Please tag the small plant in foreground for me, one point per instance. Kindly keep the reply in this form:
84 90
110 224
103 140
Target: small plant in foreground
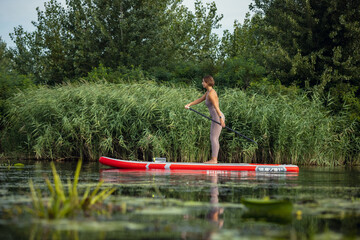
10 165
61 204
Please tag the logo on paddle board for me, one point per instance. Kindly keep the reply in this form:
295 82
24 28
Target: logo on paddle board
270 169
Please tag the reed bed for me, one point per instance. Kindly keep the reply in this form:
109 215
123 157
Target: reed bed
289 129
145 120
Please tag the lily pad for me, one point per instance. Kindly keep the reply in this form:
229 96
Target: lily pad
163 211
278 210
19 165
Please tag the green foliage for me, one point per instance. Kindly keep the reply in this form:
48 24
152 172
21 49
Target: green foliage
314 44
290 126
10 80
71 41
140 121
284 47
269 88
62 203
187 72
239 72
123 120
310 44
120 75
245 41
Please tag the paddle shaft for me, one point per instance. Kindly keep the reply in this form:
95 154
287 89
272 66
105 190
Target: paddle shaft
225 126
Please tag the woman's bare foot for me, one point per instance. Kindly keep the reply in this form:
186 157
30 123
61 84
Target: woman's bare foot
212 161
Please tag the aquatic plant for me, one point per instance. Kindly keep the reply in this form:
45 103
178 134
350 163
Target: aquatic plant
143 120
277 210
9 165
65 204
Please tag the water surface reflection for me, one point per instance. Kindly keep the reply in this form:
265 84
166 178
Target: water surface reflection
190 204
212 188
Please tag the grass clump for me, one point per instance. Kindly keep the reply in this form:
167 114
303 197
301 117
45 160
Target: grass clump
62 203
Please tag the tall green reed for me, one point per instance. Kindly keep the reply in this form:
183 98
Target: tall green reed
289 129
143 120
126 120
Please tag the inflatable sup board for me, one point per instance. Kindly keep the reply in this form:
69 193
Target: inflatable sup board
127 164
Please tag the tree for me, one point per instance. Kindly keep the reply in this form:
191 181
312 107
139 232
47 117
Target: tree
44 53
10 80
319 42
240 72
69 42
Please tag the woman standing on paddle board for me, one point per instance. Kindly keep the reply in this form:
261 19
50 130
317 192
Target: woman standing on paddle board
212 102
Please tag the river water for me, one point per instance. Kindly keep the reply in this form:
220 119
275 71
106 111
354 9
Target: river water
162 204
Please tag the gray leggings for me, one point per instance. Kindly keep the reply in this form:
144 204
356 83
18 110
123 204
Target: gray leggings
215 131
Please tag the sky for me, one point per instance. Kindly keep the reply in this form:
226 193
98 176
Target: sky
22 12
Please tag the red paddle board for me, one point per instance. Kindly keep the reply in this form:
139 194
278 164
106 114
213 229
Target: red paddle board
126 164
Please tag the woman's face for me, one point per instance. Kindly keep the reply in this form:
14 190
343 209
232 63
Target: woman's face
204 84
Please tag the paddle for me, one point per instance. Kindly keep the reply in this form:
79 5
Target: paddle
225 126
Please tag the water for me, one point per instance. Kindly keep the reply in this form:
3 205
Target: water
165 204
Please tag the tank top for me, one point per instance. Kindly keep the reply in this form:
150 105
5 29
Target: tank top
211 108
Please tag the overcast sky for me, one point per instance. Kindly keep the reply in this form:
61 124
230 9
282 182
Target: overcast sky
21 12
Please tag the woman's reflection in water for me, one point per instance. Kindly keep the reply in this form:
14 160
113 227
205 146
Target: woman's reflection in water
215 213
214 216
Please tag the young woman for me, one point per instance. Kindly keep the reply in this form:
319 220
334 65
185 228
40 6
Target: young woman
212 102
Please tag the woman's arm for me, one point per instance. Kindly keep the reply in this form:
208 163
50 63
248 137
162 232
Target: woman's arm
197 101
215 101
